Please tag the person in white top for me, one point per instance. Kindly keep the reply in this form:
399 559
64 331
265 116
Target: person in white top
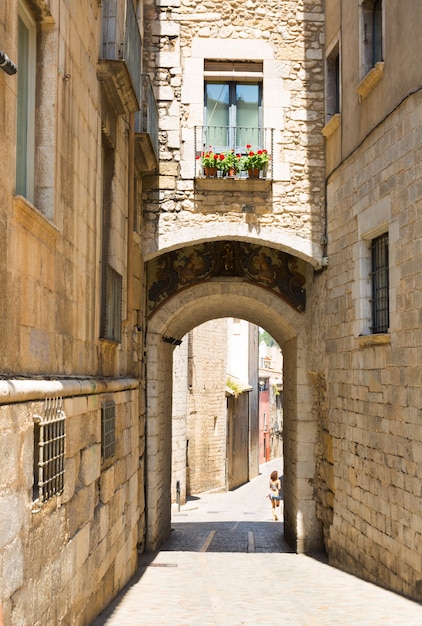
275 492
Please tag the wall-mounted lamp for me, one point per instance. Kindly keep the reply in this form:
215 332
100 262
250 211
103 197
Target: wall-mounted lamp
7 65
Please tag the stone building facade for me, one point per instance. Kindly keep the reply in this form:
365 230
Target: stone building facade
110 256
72 416
215 425
273 229
370 396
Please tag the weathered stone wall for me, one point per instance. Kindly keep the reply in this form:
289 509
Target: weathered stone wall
64 561
374 384
179 418
51 268
287 37
207 412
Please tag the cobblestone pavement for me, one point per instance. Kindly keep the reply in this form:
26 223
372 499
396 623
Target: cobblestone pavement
226 564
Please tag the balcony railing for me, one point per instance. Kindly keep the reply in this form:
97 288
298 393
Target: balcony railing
146 128
240 139
119 69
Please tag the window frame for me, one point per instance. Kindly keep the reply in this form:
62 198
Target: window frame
233 74
380 285
49 451
372 24
111 307
26 108
333 82
108 429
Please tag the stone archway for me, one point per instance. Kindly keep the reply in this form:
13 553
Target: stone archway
231 297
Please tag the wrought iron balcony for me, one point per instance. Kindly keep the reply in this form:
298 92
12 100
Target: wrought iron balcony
119 69
146 129
240 140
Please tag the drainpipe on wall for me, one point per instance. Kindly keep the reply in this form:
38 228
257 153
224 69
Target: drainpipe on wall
130 218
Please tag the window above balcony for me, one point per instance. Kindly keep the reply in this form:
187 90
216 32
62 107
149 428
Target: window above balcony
233 128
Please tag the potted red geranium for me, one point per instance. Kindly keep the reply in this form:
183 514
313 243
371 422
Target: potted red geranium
254 161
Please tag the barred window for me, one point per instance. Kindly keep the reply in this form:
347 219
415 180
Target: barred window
380 285
112 305
108 428
49 450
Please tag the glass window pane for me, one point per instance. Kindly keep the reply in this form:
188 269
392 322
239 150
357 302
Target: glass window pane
247 115
22 112
377 31
217 115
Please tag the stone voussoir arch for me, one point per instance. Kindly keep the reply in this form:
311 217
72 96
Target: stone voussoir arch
230 297
190 232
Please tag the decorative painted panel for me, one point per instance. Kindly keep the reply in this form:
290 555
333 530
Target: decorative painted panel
273 269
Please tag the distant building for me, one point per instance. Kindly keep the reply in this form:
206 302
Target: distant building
215 404
270 385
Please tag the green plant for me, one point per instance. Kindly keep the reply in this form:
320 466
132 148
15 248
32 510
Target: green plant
208 158
254 159
223 161
231 160
235 387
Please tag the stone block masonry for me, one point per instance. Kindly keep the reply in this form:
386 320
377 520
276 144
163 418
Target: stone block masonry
374 386
82 543
286 37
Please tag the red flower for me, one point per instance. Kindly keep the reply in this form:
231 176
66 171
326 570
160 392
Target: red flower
248 145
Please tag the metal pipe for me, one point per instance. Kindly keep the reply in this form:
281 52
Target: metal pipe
6 64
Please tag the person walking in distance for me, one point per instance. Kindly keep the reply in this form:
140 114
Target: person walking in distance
275 492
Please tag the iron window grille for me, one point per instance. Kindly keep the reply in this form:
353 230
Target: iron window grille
49 450
108 429
380 284
111 323
237 138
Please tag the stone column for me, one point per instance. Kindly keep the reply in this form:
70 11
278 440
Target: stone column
301 527
158 440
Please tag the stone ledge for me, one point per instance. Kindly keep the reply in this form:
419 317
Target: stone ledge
373 340
23 390
332 125
33 220
371 79
233 184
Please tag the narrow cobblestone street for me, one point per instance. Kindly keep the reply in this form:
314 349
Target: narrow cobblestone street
226 564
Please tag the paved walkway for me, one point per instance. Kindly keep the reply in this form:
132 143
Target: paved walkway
226 564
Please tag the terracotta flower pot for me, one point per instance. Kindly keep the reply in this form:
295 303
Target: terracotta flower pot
253 173
210 172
